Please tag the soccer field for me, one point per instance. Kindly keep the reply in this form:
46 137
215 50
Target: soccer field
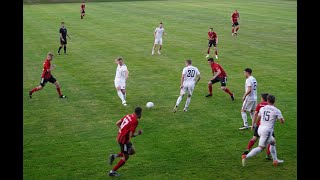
72 138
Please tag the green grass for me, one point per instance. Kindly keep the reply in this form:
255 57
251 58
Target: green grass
72 138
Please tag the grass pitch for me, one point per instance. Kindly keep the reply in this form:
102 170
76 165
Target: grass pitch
72 138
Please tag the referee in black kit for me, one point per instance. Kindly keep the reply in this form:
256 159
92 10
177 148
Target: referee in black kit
63 38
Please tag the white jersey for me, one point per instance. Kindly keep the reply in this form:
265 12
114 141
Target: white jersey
159 32
251 81
189 73
269 115
121 73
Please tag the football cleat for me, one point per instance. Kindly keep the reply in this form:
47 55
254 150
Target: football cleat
113 173
208 95
245 152
232 97
111 159
159 52
268 157
244 157
207 56
216 56
63 96
185 109
276 162
244 127
174 109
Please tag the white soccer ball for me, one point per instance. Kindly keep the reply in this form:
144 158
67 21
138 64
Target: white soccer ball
149 104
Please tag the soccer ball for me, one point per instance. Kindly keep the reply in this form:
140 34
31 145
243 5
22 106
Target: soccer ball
149 104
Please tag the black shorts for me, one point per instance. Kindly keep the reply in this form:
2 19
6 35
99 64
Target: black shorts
255 133
44 81
235 24
63 42
223 81
212 42
82 11
125 148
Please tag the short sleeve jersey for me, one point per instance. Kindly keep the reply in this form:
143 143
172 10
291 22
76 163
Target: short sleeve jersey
190 73
159 32
129 124
46 66
251 81
121 73
63 31
215 67
269 115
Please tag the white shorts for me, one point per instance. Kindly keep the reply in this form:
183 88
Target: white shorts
188 87
158 41
265 134
249 105
122 84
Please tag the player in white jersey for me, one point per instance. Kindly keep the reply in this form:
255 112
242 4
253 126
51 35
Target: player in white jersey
267 115
190 76
249 98
158 32
122 73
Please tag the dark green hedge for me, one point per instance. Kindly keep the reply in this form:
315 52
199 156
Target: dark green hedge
73 1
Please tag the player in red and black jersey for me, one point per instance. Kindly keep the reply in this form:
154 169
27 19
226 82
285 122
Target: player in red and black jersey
219 75
47 76
213 41
235 22
127 127
82 7
255 126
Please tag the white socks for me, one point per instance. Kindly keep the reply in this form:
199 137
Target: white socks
187 102
244 118
179 100
121 96
273 152
254 151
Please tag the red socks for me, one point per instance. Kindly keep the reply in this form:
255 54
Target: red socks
58 89
250 144
120 163
227 91
210 89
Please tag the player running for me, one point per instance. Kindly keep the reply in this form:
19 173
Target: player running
235 22
213 41
158 32
82 8
47 77
189 78
267 116
255 126
127 127
219 75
